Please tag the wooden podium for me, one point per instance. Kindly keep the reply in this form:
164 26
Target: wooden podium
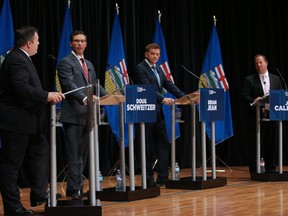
277 176
193 182
88 207
131 193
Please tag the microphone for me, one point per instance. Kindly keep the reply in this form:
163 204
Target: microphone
190 72
52 57
281 78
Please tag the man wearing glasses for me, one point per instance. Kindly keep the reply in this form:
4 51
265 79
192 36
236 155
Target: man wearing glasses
74 72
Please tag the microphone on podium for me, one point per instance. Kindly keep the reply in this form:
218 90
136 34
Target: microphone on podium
190 72
52 57
281 78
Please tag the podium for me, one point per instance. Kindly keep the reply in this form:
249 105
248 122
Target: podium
276 99
130 193
193 182
86 207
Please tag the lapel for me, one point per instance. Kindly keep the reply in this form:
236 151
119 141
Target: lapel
78 66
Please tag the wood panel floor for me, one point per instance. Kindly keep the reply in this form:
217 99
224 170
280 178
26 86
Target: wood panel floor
241 196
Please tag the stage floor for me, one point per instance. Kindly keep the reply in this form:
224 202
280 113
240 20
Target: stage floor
241 196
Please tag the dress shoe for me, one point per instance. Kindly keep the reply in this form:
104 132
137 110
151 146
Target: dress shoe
70 193
150 183
40 200
162 181
77 195
17 212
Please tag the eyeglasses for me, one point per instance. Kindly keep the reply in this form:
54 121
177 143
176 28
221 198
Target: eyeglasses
79 41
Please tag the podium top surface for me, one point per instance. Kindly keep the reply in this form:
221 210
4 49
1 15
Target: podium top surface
260 101
111 99
192 98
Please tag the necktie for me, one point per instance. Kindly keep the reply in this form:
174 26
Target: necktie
85 69
156 74
266 87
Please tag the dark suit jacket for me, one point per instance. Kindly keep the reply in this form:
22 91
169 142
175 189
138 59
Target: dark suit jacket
145 75
71 76
252 88
22 99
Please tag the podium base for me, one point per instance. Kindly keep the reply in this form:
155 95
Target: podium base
269 176
73 208
188 183
109 194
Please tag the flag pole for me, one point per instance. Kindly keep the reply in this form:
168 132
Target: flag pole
214 20
117 8
159 16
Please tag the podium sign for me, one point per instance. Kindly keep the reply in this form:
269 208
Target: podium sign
140 103
278 105
211 104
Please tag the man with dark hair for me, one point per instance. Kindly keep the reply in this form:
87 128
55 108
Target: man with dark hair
75 71
22 113
148 73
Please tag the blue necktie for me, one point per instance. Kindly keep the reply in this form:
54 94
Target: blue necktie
156 74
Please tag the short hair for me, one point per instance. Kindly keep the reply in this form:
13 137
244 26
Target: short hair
152 46
77 32
260 55
24 34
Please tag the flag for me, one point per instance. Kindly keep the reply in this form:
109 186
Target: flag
64 44
213 76
6 29
163 62
116 77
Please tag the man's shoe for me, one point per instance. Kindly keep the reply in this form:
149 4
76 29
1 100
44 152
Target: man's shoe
70 193
39 201
150 183
162 181
17 212
77 195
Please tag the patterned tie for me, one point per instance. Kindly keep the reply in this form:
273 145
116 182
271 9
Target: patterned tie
156 74
85 69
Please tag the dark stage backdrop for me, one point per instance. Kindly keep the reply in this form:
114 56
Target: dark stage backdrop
245 28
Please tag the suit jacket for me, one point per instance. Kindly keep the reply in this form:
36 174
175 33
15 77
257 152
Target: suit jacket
22 99
71 76
252 88
145 75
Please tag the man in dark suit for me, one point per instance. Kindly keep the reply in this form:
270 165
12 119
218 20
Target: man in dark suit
74 72
147 72
255 86
22 113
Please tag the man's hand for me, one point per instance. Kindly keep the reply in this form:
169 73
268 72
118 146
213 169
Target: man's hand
55 97
168 101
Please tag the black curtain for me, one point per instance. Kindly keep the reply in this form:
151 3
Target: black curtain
244 27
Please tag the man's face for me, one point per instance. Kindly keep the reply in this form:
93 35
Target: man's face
152 56
33 45
261 65
79 44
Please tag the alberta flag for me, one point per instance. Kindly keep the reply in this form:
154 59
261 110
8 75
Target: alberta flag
64 44
163 62
116 77
6 30
213 76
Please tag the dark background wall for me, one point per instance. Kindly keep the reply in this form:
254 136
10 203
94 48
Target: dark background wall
245 28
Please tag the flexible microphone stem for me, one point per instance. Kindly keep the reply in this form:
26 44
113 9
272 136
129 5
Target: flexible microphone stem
281 78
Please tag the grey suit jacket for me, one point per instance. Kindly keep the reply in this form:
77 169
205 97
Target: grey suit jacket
71 76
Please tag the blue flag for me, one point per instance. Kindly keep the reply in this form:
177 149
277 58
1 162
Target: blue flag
6 29
116 77
213 76
163 62
64 44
